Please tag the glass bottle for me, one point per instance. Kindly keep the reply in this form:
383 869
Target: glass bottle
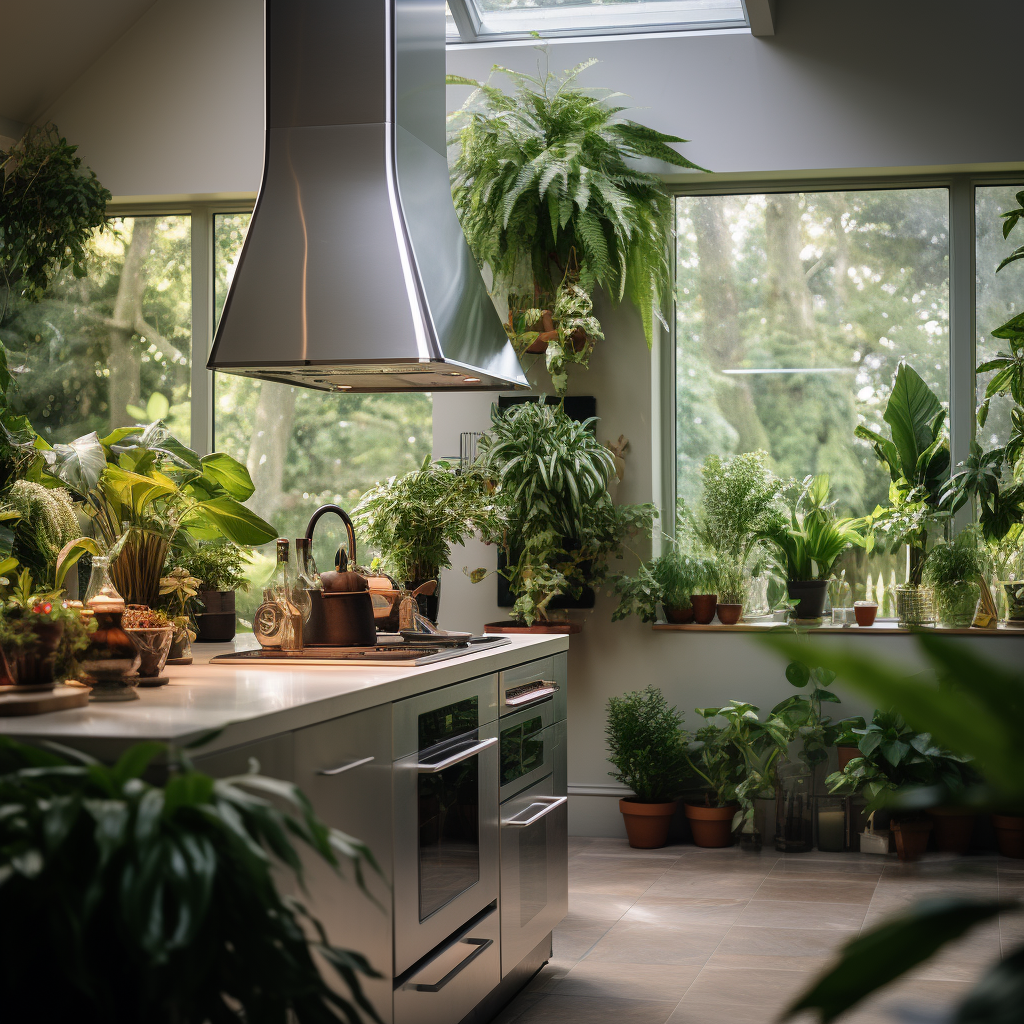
794 819
111 655
283 589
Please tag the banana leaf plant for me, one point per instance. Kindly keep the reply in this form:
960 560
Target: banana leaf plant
142 488
137 901
975 708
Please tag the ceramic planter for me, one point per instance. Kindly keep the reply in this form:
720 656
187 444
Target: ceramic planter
711 826
1009 834
181 648
704 607
678 616
153 645
811 596
956 603
647 824
953 828
915 606
865 612
730 614
32 666
911 838
215 624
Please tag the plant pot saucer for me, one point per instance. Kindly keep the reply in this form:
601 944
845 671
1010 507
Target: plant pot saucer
153 680
179 661
550 626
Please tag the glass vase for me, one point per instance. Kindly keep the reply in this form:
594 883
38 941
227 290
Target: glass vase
111 656
1013 591
956 603
794 809
915 606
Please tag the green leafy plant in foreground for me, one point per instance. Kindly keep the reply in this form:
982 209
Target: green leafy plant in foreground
137 902
974 708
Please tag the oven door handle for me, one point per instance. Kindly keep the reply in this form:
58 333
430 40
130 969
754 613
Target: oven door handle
346 767
549 803
432 769
480 944
526 699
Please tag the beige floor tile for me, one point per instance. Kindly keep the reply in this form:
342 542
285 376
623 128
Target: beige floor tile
811 890
598 906
918 996
798 943
559 1009
573 940
680 910
855 871
615 879
659 982
1011 932
745 961
697 884
744 994
639 942
844 917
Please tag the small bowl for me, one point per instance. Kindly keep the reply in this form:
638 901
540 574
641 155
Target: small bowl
865 612
153 644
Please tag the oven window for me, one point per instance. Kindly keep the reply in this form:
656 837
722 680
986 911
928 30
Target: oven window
451 720
522 750
449 835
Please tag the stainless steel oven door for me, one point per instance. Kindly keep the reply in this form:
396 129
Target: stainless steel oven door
527 685
534 870
446 840
530 744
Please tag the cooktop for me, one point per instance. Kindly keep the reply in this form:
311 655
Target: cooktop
391 649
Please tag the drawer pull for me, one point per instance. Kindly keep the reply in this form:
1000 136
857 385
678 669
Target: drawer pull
480 944
428 768
346 767
547 805
523 696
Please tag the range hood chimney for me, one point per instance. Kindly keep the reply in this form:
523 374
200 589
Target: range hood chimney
355 274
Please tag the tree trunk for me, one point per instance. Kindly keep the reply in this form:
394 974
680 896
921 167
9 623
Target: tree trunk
723 336
268 449
789 298
125 387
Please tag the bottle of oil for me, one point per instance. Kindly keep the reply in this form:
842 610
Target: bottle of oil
282 589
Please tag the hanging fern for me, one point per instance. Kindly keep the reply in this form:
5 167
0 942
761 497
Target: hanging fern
544 171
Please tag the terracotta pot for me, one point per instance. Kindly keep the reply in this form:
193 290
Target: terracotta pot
647 824
678 616
704 607
865 612
911 838
215 624
953 828
547 626
33 665
811 597
846 755
729 614
711 826
1009 834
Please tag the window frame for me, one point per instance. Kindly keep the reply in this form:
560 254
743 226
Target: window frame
962 318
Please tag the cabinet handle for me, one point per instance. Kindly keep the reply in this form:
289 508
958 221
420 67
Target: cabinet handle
530 696
347 766
549 803
472 751
481 945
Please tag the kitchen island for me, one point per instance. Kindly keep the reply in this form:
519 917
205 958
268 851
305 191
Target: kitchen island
452 773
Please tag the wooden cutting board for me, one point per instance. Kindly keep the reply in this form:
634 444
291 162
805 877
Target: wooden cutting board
38 703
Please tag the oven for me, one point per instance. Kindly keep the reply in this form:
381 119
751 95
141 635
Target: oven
445 815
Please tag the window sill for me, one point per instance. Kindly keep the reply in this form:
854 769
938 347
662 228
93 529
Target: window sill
879 629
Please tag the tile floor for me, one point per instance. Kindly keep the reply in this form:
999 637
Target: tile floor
690 936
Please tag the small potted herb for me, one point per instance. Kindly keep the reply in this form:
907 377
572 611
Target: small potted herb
645 744
669 581
956 572
731 591
219 568
179 589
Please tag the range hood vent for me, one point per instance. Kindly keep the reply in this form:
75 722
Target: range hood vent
355 274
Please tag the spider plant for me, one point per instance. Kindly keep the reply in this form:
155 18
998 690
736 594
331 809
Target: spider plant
544 171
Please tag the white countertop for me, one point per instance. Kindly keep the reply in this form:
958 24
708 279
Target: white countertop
252 702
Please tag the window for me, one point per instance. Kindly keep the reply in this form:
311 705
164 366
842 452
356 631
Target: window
469 20
792 312
115 347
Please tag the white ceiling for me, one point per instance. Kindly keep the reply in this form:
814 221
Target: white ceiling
49 43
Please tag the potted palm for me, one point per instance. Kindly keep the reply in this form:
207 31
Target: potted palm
557 525
551 202
667 582
956 571
645 744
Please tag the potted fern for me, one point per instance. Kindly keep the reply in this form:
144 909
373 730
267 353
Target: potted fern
550 203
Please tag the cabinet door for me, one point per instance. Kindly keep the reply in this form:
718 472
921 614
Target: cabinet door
344 767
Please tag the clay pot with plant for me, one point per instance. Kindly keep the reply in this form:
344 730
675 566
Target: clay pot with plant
219 567
731 591
667 582
645 744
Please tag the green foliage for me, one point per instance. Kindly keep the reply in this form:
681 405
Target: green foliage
27 606
143 902
543 173
645 743
803 715
217 566
559 525
669 580
413 520
43 522
49 207
1010 219
964 558
730 581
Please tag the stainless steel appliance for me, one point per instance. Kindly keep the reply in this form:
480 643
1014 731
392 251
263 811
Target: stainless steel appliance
533 811
392 650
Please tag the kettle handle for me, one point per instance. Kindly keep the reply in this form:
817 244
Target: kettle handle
339 511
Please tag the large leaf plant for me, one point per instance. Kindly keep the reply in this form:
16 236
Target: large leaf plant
550 199
130 901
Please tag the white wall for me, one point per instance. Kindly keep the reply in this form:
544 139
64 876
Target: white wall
176 108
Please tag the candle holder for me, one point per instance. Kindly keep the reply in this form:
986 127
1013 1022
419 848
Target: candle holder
830 819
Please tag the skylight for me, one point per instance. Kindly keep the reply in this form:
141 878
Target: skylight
473 20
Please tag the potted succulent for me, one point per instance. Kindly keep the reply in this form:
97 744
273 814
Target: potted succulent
219 568
956 571
645 744
669 582
415 519
545 184
917 459
38 635
152 632
809 545
167 902
556 523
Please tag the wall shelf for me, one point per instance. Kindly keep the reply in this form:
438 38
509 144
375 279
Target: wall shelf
879 629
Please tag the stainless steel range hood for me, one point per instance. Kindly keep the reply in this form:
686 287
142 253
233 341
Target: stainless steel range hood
355 274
